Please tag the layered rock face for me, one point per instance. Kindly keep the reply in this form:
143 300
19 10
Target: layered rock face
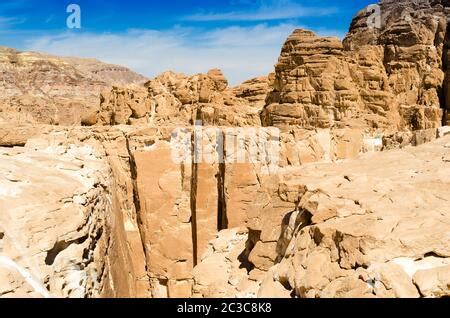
313 86
389 73
302 183
45 89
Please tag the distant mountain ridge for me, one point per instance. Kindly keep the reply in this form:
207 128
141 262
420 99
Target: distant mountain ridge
42 88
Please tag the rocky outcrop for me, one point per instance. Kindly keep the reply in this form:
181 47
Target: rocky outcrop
158 222
313 86
177 99
388 74
161 205
304 183
79 239
59 223
375 227
346 229
45 89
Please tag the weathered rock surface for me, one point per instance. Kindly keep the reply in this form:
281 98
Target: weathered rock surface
389 73
164 191
59 223
377 226
222 272
303 183
45 89
109 241
177 99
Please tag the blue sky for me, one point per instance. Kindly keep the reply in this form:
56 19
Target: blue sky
243 37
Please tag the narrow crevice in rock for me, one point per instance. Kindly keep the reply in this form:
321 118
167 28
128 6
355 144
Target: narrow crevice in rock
133 170
444 94
194 202
222 218
433 254
244 256
136 200
418 289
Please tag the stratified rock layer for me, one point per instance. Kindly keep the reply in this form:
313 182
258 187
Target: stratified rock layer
45 89
111 211
389 73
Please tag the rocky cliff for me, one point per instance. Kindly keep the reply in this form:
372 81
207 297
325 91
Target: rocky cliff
389 72
326 178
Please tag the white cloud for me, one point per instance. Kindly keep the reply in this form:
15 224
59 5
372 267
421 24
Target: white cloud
241 52
7 22
265 11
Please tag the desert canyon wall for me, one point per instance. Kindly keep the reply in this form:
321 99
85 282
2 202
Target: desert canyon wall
355 203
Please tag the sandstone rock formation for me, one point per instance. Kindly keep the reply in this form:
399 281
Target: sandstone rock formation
177 99
59 225
386 76
45 89
221 273
377 226
326 178
87 178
